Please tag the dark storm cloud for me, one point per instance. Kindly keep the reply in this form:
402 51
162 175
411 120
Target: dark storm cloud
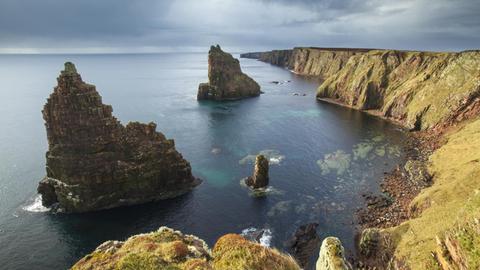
155 25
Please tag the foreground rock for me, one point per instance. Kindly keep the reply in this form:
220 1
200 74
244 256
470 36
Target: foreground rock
332 256
226 81
304 243
94 162
260 178
169 249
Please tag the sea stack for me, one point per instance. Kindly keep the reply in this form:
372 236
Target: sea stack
259 179
94 162
226 81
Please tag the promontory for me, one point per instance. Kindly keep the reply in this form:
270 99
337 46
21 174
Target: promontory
226 81
94 162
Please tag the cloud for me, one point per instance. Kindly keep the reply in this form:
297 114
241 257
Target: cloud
160 25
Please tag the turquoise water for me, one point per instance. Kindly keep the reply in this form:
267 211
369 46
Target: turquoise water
323 157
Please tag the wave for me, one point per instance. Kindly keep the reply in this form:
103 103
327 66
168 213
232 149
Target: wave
261 236
36 206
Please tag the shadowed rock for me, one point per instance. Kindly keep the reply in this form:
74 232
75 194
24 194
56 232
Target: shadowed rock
226 81
94 162
260 173
304 243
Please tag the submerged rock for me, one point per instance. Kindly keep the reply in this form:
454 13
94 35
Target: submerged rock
332 256
226 81
304 243
94 162
259 179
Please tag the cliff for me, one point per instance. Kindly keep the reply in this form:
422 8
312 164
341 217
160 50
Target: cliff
226 81
308 61
421 90
169 249
94 162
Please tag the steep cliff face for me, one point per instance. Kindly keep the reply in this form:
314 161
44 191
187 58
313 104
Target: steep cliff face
308 61
94 162
419 89
169 249
226 81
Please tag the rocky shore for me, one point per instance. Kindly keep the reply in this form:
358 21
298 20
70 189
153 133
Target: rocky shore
94 162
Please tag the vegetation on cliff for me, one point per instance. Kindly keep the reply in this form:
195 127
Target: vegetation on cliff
419 89
169 249
451 206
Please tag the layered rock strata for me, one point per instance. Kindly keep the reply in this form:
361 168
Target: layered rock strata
260 177
226 81
94 162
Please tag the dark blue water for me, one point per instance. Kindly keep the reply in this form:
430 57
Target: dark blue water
323 157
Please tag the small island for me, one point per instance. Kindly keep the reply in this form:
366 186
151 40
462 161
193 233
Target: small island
226 81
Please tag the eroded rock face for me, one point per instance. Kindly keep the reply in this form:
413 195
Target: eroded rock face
226 81
260 174
304 243
332 256
94 162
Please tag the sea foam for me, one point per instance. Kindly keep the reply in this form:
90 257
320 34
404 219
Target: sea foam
36 205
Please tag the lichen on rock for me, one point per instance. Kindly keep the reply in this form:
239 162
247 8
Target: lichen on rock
226 81
332 256
94 162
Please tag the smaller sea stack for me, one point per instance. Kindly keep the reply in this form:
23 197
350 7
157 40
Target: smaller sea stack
94 162
259 179
226 81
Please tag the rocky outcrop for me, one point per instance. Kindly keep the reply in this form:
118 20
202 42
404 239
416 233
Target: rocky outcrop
420 90
260 178
226 81
94 162
304 243
332 256
169 249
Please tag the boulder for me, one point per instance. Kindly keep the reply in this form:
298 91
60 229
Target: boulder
226 81
94 162
260 173
332 256
304 244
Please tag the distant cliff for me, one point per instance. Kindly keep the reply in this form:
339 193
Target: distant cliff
420 90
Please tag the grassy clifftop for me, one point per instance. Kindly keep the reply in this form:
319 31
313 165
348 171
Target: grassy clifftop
169 249
419 89
451 206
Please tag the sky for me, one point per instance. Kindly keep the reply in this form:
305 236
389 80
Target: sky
145 26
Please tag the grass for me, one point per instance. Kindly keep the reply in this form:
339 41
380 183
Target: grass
454 198
170 250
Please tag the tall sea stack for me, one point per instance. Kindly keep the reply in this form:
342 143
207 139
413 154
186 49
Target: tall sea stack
94 162
226 81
